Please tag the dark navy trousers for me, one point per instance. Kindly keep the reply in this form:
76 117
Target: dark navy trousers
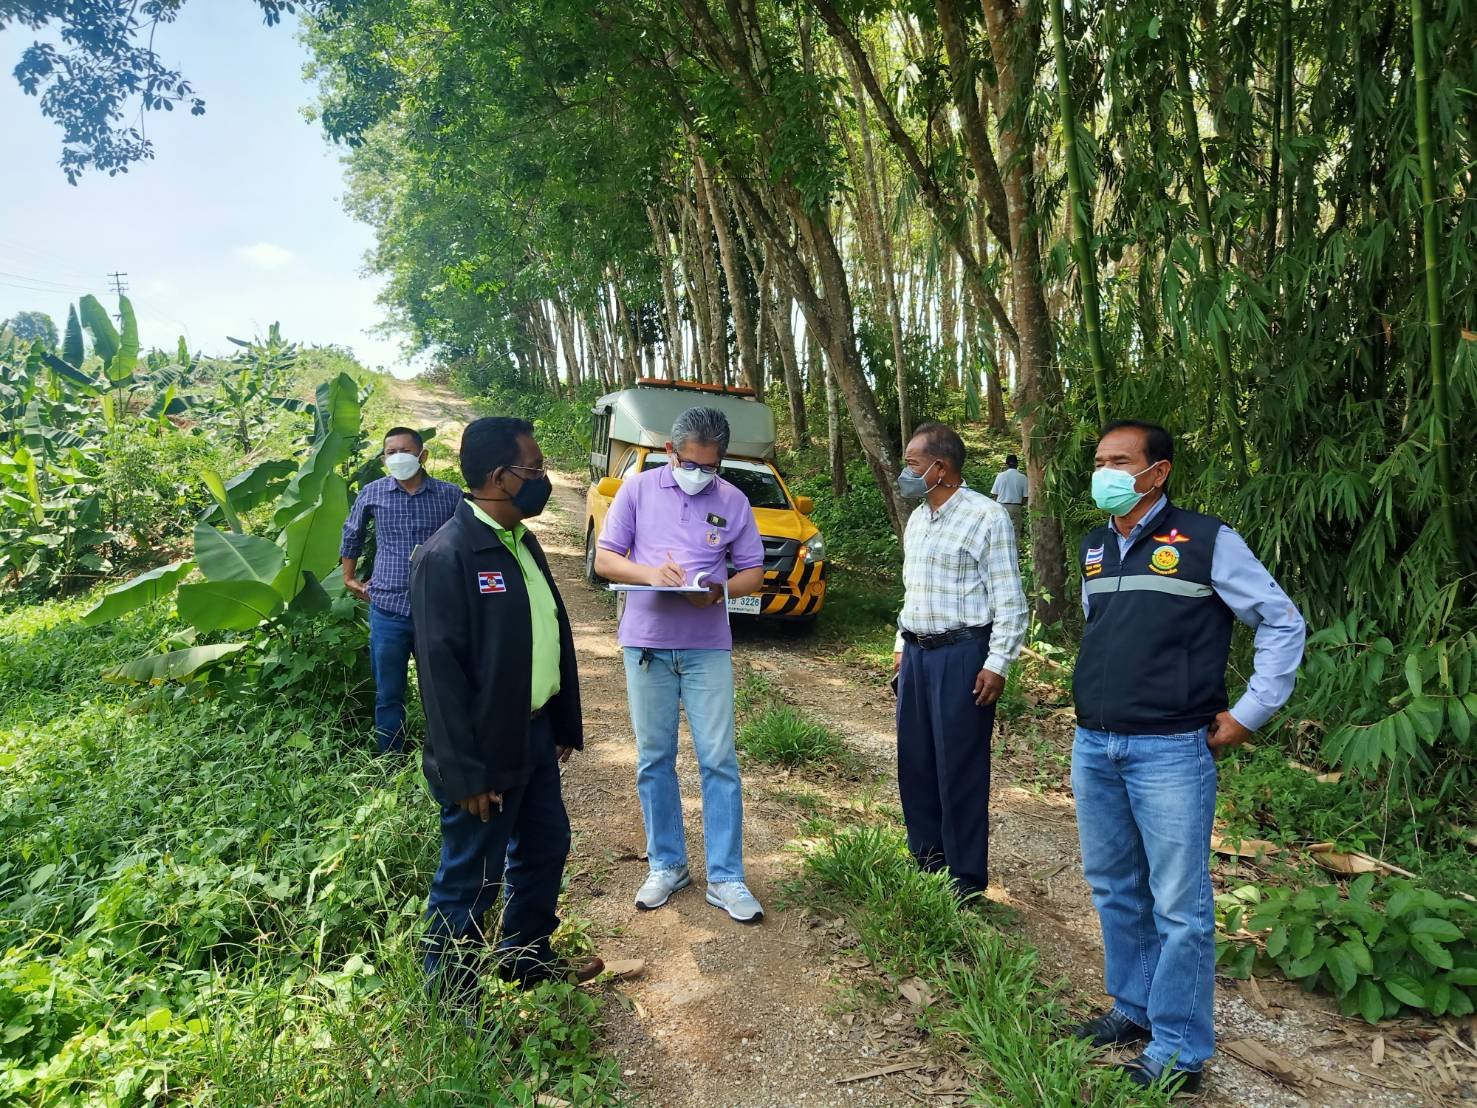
517 856
943 760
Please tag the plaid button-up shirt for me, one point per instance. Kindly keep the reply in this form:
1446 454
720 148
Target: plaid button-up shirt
959 570
402 521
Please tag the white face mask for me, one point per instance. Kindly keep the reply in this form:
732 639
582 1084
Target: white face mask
692 481
402 467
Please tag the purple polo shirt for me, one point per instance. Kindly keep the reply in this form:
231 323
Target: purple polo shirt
651 517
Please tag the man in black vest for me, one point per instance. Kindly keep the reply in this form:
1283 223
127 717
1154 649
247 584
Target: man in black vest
1162 588
495 658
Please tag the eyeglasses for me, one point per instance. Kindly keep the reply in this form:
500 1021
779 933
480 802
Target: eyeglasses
525 471
682 463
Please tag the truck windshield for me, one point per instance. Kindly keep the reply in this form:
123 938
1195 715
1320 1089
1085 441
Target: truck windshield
755 482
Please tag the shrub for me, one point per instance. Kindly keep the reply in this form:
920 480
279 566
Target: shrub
1416 949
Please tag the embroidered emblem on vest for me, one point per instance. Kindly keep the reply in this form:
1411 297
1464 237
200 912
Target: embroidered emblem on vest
1173 536
1092 565
490 582
1165 560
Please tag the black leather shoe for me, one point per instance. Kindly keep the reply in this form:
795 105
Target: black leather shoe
1147 1073
530 974
1112 1028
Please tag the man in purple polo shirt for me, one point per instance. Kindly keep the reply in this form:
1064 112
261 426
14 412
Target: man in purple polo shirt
668 525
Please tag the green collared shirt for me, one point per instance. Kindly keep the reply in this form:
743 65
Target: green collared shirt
542 610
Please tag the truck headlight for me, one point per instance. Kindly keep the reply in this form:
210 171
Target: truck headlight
815 548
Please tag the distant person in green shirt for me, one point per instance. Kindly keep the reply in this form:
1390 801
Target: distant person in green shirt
496 664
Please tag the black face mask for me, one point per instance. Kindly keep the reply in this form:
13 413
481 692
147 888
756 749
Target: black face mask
532 496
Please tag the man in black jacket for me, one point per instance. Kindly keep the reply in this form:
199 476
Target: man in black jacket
496 664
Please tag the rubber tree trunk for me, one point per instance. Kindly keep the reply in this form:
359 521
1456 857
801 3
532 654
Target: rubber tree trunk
1081 216
780 308
671 320
1013 47
883 229
733 276
718 323
835 444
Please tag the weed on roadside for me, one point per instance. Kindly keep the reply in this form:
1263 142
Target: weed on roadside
785 736
1004 1019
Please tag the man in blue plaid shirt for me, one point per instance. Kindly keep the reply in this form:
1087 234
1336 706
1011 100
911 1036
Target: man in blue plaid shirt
407 508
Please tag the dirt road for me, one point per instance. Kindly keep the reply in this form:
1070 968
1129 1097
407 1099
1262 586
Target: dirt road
728 1015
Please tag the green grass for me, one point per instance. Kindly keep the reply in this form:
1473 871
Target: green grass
218 901
996 1009
785 736
859 621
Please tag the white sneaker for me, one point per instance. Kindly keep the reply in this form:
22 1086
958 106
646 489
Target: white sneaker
659 886
735 898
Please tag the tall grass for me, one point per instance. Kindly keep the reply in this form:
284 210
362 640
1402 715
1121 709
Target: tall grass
1004 1018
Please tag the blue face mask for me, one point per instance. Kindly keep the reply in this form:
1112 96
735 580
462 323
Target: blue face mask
1113 491
914 486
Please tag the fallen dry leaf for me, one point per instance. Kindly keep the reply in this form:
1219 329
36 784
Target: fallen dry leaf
1332 778
1258 1001
1352 863
916 992
1273 1064
883 1071
1243 848
625 967
1377 1050
1048 872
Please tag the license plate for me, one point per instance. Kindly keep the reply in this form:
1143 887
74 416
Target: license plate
745 605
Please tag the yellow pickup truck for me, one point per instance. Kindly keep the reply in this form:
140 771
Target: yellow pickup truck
629 433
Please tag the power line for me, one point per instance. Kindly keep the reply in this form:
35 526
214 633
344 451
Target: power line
57 286
30 255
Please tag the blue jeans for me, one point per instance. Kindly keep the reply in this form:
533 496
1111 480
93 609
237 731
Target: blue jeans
391 641
518 855
1144 809
701 681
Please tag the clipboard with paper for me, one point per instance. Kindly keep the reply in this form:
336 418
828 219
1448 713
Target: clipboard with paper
747 605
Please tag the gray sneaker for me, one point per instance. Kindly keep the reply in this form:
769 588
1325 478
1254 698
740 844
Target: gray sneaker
735 898
659 886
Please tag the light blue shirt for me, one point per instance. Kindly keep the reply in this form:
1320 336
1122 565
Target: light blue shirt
1245 586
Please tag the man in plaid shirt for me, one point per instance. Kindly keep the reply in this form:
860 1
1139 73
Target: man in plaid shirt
407 508
962 624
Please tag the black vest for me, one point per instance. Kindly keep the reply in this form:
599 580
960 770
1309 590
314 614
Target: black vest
1153 657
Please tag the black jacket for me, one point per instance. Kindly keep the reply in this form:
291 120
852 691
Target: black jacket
474 659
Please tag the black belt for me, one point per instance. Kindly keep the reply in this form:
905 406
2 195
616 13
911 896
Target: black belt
947 638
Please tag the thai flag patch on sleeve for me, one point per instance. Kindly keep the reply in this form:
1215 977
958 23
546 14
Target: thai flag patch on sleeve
490 582
1094 555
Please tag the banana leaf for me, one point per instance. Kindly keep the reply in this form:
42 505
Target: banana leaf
174 665
226 556
227 605
142 591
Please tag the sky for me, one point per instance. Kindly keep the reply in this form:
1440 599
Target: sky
237 221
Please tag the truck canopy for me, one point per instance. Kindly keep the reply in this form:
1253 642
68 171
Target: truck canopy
644 416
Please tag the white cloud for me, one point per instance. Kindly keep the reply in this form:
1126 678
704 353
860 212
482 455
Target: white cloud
265 255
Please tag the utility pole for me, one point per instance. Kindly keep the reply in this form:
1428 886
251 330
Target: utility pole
119 287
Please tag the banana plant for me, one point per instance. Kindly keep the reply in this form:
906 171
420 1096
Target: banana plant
152 383
249 580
